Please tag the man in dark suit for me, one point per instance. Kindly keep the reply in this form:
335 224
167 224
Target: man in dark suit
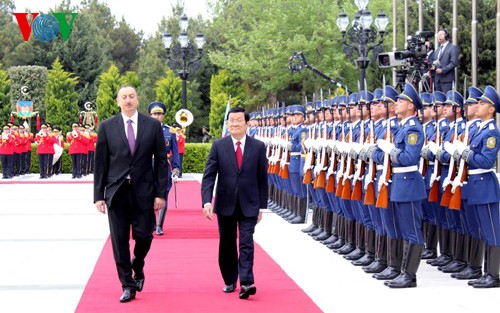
445 60
240 163
129 186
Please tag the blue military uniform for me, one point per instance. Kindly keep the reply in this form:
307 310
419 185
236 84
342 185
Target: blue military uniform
482 190
170 137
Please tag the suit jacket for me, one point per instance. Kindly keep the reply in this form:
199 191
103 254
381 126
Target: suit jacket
113 161
448 61
249 183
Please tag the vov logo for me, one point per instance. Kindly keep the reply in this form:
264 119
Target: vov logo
45 26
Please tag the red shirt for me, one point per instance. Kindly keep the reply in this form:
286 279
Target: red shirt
180 143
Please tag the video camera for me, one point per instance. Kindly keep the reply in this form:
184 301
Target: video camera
412 57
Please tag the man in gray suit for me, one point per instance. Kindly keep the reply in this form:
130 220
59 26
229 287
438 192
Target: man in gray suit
445 61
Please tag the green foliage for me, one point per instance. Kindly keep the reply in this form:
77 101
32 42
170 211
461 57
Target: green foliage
126 45
5 104
223 86
169 92
131 78
109 82
195 155
35 78
152 65
62 99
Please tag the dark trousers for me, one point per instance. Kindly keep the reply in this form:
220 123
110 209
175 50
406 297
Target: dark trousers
229 263
50 168
90 162
76 165
57 168
17 164
124 213
6 166
43 161
83 164
181 157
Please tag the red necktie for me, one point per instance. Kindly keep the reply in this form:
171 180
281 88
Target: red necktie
239 154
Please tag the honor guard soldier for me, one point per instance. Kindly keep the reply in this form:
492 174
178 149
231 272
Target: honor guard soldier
157 111
474 254
449 220
407 184
45 147
482 190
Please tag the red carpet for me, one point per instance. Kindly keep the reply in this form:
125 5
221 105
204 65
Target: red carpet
182 274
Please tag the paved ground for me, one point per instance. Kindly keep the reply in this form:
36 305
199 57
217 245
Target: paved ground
51 236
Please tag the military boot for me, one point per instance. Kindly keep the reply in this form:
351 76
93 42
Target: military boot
411 261
473 269
334 230
431 239
341 233
369 249
444 249
349 245
301 210
314 224
327 226
319 230
461 255
491 278
358 253
380 262
394 257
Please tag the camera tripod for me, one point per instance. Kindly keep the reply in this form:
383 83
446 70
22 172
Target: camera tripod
413 76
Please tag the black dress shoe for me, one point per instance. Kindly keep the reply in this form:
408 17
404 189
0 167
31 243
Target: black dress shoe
159 230
486 281
247 290
470 272
429 254
309 229
404 280
139 281
229 288
128 295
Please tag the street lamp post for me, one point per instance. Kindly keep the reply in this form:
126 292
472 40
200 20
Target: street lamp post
183 56
362 36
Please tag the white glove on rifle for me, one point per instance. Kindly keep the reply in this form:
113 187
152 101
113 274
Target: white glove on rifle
460 146
449 147
385 146
433 147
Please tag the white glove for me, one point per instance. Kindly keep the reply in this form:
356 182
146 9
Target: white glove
459 146
75 133
174 178
433 147
385 146
449 147
356 147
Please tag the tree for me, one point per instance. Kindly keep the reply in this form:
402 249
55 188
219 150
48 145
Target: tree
223 86
5 104
131 78
126 44
169 92
109 82
62 99
151 68
34 78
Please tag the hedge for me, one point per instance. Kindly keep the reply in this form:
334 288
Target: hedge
195 156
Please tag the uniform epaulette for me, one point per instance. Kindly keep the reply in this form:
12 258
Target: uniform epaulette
412 123
172 130
491 127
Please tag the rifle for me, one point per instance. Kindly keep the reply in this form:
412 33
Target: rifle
348 174
285 160
452 169
385 178
330 185
458 182
372 173
436 173
309 162
340 172
357 192
322 161
422 166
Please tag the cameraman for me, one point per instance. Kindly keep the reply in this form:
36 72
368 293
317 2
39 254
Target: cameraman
429 72
445 60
